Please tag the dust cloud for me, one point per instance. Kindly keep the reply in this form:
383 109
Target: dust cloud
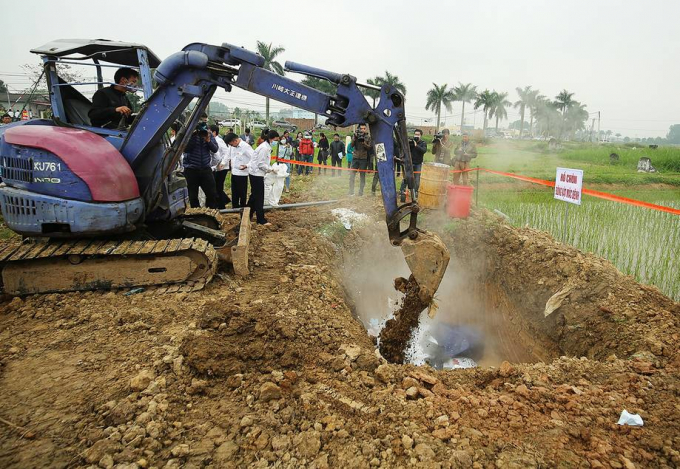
463 324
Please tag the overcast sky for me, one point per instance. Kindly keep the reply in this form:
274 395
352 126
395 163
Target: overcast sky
618 57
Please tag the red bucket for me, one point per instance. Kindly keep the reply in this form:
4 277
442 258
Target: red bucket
459 199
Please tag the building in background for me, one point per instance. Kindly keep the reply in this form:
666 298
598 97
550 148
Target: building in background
294 113
38 106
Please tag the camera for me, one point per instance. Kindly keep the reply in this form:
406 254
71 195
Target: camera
202 128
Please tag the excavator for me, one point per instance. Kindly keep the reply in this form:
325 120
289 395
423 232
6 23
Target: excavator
105 208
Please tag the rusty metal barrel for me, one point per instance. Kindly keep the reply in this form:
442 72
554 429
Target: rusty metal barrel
433 179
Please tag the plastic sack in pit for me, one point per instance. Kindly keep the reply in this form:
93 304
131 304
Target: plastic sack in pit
273 184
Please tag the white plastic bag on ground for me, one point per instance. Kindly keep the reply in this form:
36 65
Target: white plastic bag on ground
634 420
273 184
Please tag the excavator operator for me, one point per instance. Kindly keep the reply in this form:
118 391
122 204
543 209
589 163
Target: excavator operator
111 108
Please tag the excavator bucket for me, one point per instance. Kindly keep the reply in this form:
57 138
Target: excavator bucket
427 257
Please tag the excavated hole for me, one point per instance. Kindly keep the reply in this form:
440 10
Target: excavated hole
475 319
515 295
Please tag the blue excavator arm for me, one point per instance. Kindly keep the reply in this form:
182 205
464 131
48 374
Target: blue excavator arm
199 69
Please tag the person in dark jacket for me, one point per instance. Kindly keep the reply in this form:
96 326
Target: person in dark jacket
464 153
246 137
322 156
197 170
418 148
337 150
110 105
361 142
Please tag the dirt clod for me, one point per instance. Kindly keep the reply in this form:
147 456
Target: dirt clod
398 331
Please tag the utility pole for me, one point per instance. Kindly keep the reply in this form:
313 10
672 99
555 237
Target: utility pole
598 125
592 126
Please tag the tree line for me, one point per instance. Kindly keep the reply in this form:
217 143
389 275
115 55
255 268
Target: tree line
561 117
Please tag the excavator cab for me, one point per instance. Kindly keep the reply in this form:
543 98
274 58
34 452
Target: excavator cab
70 106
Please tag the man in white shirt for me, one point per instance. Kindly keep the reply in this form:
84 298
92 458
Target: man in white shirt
220 166
240 155
257 168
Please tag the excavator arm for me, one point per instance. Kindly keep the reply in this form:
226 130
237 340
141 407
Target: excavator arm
199 69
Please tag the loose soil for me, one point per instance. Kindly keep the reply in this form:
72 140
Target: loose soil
275 371
397 333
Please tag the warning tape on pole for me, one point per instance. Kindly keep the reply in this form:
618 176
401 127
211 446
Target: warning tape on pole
590 192
542 182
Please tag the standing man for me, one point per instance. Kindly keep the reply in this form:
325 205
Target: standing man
362 151
246 137
442 145
241 154
337 153
110 105
322 155
220 166
418 148
197 170
464 153
257 168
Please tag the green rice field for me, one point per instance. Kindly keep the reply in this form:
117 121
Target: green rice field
640 242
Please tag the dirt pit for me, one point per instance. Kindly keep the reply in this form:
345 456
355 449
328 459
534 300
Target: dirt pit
276 371
475 322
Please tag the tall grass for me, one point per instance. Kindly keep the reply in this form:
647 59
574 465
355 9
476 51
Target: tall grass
640 242
664 159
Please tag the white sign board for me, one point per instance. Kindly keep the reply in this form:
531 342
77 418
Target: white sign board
568 185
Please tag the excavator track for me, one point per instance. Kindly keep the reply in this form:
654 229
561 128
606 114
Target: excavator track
178 265
206 216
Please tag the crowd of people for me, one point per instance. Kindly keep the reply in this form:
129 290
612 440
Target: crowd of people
208 159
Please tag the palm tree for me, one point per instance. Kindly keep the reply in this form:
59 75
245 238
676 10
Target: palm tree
436 98
388 79
485 100
269 53
375 94
547 117
500 103
575 119
534 100
564 100
393 81
524 100
465 94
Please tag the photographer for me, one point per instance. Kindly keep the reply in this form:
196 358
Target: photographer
361 142
418 148
442 146
464 153
197 170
